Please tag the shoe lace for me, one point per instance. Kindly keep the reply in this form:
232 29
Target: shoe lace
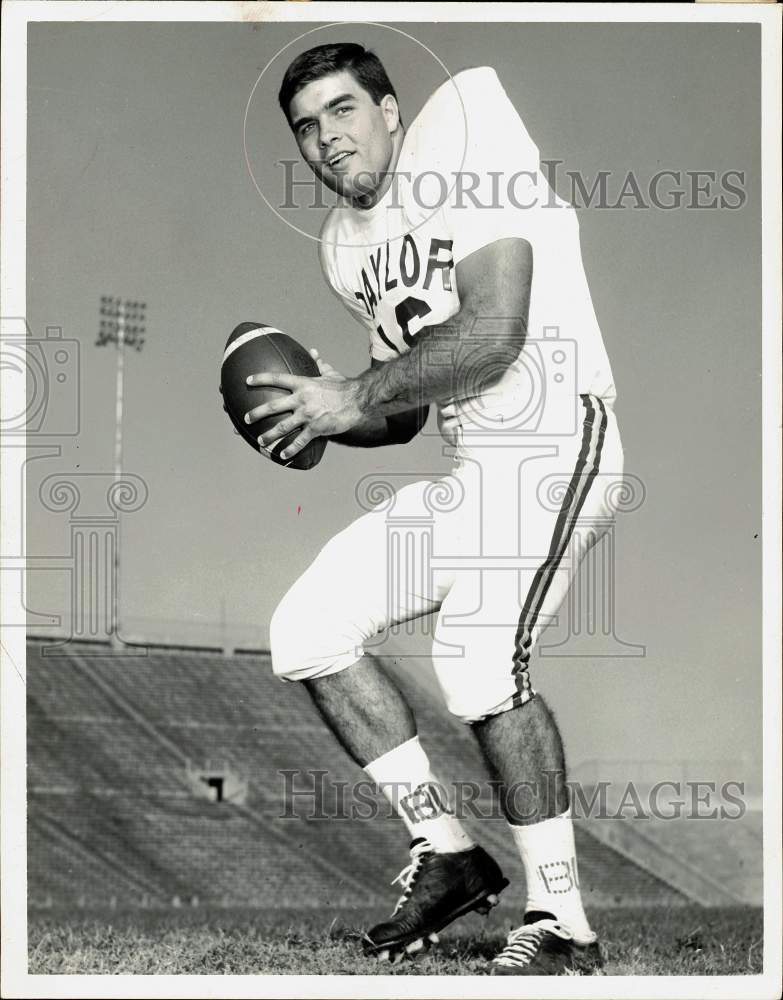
407 876
523 943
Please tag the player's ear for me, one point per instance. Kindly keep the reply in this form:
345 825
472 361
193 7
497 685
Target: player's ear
391 113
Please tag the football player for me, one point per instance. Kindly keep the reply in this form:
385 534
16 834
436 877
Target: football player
465 270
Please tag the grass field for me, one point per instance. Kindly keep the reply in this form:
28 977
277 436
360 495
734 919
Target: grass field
682 941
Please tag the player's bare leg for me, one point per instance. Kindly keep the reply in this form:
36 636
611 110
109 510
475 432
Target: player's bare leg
524 752
448 875
364 709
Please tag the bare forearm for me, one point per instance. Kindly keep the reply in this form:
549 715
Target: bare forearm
469 353
416 378
447 362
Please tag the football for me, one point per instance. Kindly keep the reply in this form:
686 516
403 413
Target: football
253 348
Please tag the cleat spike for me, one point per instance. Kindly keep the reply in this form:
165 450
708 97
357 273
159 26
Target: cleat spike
437 888
486 904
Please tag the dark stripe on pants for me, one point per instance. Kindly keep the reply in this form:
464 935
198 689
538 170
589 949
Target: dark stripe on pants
585 471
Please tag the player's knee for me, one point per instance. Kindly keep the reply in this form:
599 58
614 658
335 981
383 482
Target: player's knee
282 635
293 638
308 640
480 711
465 703
472 696
466 714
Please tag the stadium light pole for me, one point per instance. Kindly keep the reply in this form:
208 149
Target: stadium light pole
122 321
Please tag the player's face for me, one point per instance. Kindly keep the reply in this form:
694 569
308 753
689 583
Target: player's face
344 136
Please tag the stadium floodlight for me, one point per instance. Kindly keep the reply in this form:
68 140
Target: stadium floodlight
122 322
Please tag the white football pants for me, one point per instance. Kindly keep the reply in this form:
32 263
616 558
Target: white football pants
493 547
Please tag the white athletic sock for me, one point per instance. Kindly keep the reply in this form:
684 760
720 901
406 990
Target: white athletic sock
406 779
549 855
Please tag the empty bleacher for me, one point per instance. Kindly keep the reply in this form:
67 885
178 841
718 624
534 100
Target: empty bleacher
116 818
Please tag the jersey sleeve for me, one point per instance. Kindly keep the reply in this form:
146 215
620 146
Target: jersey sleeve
492 166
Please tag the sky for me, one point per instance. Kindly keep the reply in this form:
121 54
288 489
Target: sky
138 186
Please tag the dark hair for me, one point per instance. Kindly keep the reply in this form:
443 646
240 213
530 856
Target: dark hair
364 65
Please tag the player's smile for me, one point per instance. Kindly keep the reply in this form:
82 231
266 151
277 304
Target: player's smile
345 137
338 160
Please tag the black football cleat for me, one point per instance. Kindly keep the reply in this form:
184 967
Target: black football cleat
544 947
437 889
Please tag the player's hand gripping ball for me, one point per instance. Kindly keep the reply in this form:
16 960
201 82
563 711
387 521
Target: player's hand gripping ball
255 347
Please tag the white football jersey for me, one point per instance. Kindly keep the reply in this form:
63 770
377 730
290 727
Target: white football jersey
469 174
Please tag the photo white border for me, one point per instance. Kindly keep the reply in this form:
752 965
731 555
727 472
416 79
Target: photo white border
16 14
